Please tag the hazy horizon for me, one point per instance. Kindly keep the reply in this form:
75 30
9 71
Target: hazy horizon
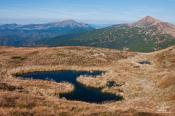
91 11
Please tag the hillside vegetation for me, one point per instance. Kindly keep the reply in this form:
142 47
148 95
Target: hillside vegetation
146 35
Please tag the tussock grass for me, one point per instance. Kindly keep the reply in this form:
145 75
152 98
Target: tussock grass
147 89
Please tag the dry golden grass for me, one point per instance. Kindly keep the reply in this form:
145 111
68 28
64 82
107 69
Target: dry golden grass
165 58
148 89
78 56
91 81
167 80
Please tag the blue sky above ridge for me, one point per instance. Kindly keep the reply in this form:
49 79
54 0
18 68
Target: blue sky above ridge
89 11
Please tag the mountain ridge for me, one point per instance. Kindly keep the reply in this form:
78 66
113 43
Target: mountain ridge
145 35
26 35
64 23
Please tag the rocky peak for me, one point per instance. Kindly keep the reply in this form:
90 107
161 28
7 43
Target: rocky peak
147 21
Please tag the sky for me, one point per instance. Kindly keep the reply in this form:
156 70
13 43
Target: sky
88 11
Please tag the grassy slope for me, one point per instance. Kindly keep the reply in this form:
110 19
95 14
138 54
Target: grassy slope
146 88
136 39
35 97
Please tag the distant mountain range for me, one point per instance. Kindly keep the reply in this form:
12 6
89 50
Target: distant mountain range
27 35
99 26
146 35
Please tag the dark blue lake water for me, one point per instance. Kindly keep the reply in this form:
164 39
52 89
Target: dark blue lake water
80 93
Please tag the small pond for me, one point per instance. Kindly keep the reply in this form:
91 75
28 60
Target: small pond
80 93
